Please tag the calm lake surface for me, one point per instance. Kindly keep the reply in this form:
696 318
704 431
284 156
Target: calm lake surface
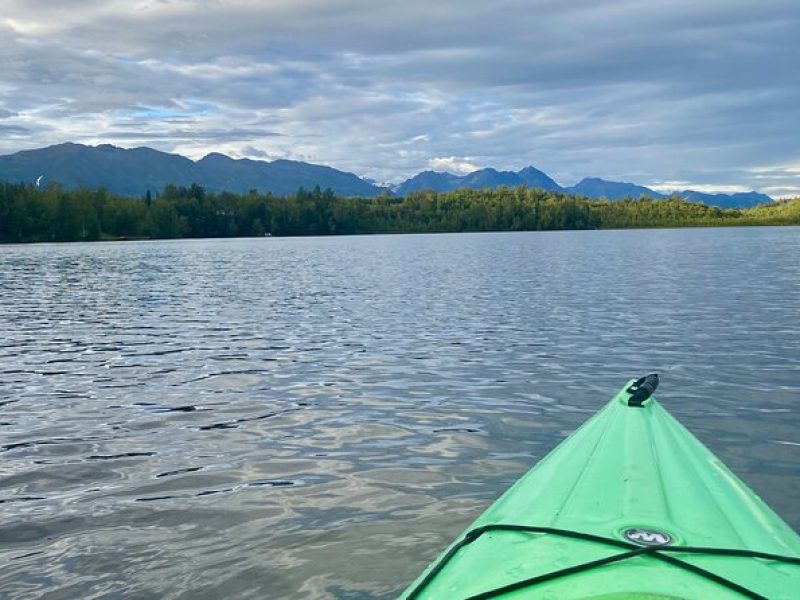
318 417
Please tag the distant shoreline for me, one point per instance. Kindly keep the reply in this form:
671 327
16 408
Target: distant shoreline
29 214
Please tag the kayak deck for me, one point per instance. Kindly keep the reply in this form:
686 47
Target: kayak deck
631 480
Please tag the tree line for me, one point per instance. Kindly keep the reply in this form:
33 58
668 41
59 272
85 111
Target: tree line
30 214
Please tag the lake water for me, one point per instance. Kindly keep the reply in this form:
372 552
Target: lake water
318 417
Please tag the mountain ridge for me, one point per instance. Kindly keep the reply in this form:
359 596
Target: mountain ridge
135 171
589 187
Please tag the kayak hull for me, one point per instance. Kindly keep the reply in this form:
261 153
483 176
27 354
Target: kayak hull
635 477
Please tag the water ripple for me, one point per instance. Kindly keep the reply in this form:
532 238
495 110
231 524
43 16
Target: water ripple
317 418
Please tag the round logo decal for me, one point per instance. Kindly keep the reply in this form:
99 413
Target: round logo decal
647 537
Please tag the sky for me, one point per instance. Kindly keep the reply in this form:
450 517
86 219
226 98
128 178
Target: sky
671 94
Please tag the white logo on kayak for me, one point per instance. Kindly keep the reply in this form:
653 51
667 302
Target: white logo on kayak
647 537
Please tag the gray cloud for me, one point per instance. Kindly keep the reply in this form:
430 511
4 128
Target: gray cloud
218 135
14 130
702 93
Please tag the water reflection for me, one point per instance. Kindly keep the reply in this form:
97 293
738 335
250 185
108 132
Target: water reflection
318 417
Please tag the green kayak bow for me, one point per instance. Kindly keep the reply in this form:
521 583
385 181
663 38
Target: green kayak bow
630 506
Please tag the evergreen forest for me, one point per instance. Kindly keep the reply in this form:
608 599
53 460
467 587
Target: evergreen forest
55 214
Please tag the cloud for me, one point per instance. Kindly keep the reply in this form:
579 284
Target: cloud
777 171
663 90
779 181
14 130
218 135
452 165
253 152
719 188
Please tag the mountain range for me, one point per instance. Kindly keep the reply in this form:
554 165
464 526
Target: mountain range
589 187
132 172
